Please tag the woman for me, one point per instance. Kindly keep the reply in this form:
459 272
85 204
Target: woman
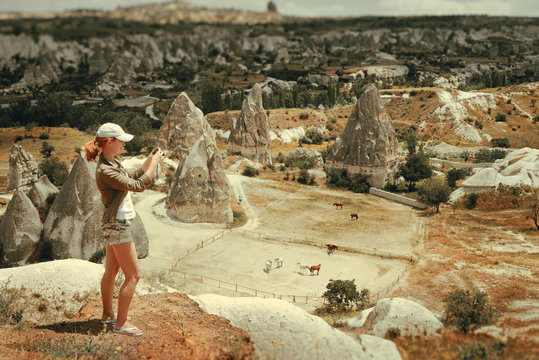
115 183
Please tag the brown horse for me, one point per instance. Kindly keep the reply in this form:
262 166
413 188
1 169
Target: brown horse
315 267
332 248
354 216
337 205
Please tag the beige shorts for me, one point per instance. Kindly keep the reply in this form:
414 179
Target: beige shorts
118 232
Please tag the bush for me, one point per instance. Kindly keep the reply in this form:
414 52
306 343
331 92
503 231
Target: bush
342 295
46 149
98 256
312 136
468 309
455 174
55 169
43 136
500 142
303 177
501 117
359 184
303 115
486 155
298 161
250 171
470 201
18 138
9 297
434 191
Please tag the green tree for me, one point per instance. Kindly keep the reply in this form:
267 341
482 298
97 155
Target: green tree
46 149
468 309
55 169
454 175
341 295
415 168
211 98
434 191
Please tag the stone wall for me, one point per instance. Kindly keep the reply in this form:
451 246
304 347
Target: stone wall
398 198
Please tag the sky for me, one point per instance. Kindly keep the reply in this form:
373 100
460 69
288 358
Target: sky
311 8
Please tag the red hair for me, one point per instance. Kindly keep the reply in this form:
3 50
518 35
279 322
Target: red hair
94 147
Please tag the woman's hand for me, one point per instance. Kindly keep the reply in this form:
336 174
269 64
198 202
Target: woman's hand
157 154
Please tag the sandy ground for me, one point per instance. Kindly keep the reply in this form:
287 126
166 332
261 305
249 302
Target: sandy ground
238 256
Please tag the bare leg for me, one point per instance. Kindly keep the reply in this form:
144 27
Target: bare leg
107 283
126 255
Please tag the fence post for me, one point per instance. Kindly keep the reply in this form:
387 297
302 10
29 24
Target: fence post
256 292
306 299
236 287
219 283
294 298
200 278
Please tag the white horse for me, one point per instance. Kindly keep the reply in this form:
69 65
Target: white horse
278 262
269 264
303 268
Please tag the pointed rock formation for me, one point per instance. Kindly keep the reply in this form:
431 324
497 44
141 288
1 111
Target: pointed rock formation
200 191
250 133
22 168
41 190
368 144
20 229
73 225
182 127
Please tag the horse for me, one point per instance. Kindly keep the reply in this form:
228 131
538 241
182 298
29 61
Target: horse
269 264
278 262
303 267
332 248
315 267
354 216
337 205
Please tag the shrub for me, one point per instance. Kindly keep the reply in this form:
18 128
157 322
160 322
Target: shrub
43 136
455 174
303 115
468 309
500 142
501 117
312 136
55 169
46 149
470 201
303 177
486 155
434 191
299 161
18 138
250 171
9 312
359 184
98 256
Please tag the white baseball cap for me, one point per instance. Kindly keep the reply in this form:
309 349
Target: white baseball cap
115 131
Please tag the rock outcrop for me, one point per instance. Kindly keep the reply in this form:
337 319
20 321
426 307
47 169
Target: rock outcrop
41 190
271 322
368 144
250 133
184 124
22 168
200 190
20 229
73 225
402 316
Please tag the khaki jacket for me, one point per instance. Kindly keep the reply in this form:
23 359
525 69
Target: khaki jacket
114 181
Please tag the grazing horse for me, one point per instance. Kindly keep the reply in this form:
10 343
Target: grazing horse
315 267
278 262
303 267
269 264
354 216
332 248
338 205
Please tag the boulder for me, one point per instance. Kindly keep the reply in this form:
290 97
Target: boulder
306 154
250 133
41 190
368 144
20 229
200 190
405 317
183 126
140 237
22 168
282 330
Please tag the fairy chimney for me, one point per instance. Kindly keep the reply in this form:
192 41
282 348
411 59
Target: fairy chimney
200 190
22 168
368 144
73 224
20 230
41 190
182 127
250 133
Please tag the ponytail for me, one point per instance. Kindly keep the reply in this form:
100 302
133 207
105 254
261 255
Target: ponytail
93 147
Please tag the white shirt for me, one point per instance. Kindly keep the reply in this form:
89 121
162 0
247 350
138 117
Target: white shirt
126 211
